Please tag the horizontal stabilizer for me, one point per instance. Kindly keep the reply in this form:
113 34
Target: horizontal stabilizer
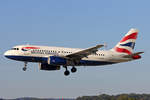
133 54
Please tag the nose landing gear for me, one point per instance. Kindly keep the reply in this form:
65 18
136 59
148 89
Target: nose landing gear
25 66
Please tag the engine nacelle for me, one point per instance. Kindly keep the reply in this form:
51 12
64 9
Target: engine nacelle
45 66
55 60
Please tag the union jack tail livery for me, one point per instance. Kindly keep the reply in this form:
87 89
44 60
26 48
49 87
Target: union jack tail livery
127 43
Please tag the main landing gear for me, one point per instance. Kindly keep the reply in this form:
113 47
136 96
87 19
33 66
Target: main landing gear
25 66
73 70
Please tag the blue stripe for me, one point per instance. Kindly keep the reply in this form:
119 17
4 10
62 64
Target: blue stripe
130 44
44 60
28 58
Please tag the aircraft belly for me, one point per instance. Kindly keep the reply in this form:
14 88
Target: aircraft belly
44 60
28 58
93 63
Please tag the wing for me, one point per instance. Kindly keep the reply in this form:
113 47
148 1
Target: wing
84 53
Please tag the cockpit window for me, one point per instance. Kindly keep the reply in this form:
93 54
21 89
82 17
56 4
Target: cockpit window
15 49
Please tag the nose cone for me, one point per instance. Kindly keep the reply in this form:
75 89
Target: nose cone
11 55
7 54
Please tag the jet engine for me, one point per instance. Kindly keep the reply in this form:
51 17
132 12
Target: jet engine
55 60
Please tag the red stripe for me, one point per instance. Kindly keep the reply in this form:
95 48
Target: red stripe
136 57
131 36
122 50
31 48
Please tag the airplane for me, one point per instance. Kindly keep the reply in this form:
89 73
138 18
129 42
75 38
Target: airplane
53 58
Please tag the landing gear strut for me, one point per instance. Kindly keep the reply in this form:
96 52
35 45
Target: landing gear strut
66 73
25 66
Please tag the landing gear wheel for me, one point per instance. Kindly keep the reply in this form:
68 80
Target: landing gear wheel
66 73
73 70
24 68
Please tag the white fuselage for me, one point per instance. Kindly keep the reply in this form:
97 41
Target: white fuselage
52 58
42 53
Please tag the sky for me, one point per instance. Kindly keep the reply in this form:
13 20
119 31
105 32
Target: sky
75 24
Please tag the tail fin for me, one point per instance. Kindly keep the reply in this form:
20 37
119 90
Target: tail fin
127 43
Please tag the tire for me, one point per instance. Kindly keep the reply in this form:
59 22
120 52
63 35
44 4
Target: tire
66 73
24 68
73 70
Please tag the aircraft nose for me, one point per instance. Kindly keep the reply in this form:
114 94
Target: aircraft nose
7 54
10 55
